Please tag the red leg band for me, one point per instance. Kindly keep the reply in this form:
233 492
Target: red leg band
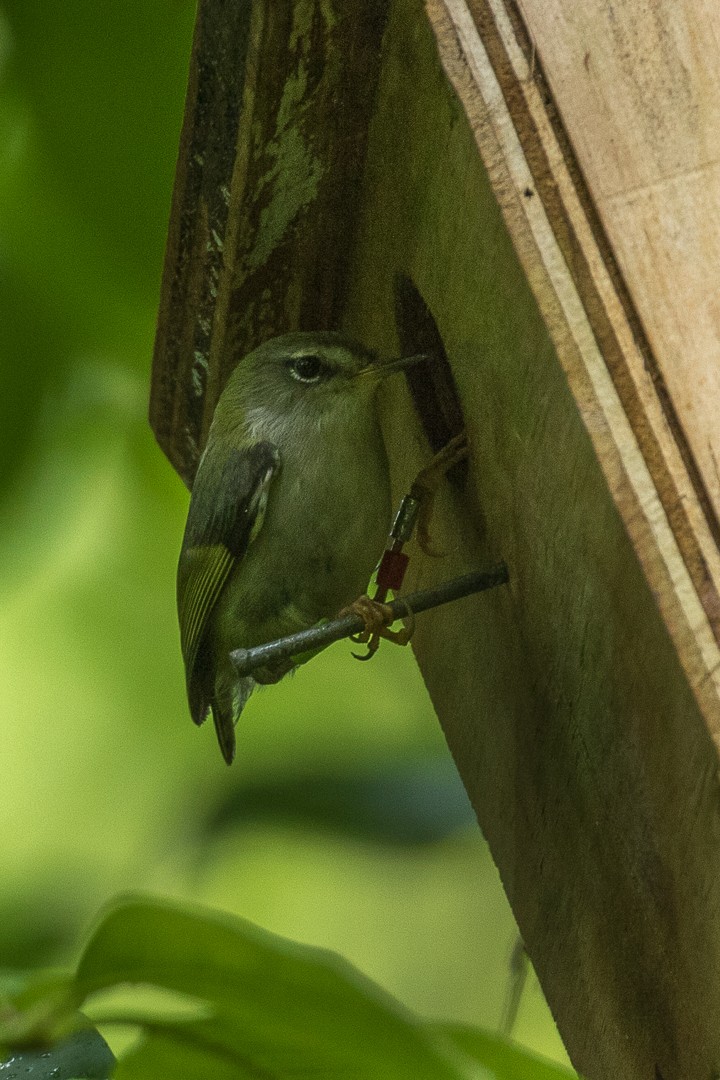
392 570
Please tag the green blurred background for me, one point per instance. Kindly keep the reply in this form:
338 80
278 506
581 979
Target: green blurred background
342 822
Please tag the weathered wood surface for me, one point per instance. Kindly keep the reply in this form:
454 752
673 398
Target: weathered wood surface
602 752
565 227
266 187
637 85
581 703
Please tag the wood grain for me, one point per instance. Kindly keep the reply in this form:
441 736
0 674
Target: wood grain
575 260
266 190
582 726
638 88
493 168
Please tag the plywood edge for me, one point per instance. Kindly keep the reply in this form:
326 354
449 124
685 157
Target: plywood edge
587 316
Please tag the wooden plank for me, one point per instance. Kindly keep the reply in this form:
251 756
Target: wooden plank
638 88
582 726
582 704
266 188
578 265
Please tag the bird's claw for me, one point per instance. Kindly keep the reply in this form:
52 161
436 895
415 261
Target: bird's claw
377 618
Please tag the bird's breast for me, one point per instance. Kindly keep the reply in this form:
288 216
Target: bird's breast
327 519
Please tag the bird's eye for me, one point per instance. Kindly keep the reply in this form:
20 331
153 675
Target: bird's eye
307 369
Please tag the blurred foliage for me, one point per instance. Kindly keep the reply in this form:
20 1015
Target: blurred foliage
342 824
404 802
221 998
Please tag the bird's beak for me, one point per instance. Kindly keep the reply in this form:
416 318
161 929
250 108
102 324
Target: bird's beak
383 368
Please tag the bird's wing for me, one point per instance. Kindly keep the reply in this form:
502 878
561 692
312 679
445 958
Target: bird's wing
226 513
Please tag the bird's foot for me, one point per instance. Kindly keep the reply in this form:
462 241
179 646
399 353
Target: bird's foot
427 482
377 618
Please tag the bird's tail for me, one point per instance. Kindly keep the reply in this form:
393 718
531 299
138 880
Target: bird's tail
227 702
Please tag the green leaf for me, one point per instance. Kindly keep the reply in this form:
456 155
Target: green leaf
279 1009
505 1058
218 997
84 1056
160 1056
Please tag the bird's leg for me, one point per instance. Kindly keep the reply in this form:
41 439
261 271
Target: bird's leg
427 482
377 617
417 506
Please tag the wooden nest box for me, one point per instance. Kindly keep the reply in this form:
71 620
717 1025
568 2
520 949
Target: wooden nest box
534 186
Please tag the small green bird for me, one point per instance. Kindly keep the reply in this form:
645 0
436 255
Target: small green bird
289 511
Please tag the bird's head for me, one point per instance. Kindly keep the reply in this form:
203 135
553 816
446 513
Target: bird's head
315 377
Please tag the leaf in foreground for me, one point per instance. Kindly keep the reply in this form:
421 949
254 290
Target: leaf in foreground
268 1007
84 1056
215 996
